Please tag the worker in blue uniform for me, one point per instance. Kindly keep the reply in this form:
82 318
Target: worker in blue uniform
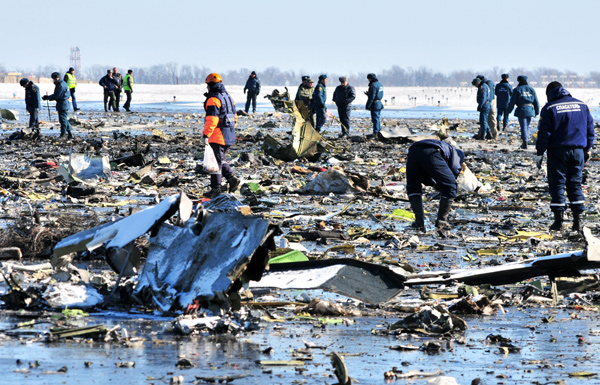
318 102
503 93
483 106
374 96
566 133
527 106
432 162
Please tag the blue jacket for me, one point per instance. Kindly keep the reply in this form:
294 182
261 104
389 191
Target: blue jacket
453 157
525 98
503 92
109 83
343 96
252 85
483 97
374 96
492 86
61 95
224 111
564 122
32 97
319 96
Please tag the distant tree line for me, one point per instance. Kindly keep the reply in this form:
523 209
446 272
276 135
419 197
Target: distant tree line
173 73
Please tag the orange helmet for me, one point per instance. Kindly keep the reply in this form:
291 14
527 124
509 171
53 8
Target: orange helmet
214 78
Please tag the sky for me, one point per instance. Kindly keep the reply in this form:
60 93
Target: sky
347 36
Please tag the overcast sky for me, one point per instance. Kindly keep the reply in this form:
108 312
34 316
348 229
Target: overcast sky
341 36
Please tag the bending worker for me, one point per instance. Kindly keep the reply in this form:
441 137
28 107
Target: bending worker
219 132
433 163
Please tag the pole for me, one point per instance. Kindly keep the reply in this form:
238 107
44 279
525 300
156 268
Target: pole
48 105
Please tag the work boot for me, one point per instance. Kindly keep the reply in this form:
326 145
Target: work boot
213 193
576 222
416 203
70 136
443 212
234 183
488 135
558 221
524 145
504 127
477 137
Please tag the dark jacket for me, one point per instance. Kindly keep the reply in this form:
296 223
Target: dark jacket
503 93
109 83
453 157
344 95
305 94
525 98
252 85
61 95
483 97
319 96
374 96
119 78
32 97
564 122
492 88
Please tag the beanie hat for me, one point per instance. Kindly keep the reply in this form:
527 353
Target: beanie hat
522 78
55 75
504 76
253 73
343 79
480 77
371 76
71 69
23 82
476 81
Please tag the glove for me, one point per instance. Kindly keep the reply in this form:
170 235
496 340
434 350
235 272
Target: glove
44 97
538 161
206 140
586 157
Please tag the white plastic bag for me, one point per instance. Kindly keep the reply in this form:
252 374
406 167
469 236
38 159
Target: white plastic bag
210 161
467 181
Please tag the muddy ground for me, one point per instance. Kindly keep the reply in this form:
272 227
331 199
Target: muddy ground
550 344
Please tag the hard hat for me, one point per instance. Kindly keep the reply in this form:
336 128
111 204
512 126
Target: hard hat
213 78
23 82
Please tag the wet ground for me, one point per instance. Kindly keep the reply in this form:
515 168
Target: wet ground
517 200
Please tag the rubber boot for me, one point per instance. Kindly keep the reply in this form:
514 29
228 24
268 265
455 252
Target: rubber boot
416 203
576 222
233 183
558 221
443 212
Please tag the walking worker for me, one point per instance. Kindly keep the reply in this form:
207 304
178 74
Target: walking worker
318 102
343 96
503 93
526 100
374 96
32 102
72 84
119 78
492 123
61 95
566 132
128 88
431 162
110 85
253 88
219 132
483 106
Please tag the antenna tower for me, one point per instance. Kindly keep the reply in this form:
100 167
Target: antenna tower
76 59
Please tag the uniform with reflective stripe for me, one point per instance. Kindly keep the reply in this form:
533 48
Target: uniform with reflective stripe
221 118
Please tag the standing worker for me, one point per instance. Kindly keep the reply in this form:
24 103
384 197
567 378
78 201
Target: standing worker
253 88
305 95
128 88
484 107
343 96
503 93
492 123
318 102
219 132
72 84
32 102
566 131
119 78
61 95
110 85
374 96
525 98
431 162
